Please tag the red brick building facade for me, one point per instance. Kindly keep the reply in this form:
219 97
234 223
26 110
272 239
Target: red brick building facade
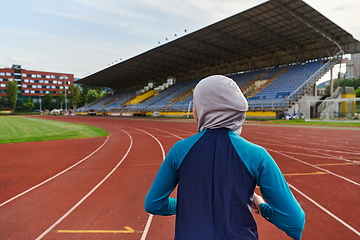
33 83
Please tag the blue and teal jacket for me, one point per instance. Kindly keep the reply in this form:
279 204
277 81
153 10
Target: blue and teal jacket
216 172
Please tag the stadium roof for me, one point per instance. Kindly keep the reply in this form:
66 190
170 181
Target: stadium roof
277 32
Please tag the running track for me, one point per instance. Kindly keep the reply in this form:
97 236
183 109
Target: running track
95 188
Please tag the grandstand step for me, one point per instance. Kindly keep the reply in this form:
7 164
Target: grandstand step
247 87
269 81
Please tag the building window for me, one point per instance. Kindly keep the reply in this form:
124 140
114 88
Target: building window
52 76
33 86
32 91
53 87
39 86
39 76
32 81
61 87
8 74
24 75
19 85
47 92
24 85
41 81
41 91
18 74
47 86
33 75
47 76
46 81
1 79
26 80
26 91
66 87
55 82
59 82
2 74
2 85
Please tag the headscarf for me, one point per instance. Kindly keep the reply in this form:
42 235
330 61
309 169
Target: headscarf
219 103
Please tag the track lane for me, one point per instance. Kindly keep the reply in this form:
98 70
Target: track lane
22 168
34 212
319 225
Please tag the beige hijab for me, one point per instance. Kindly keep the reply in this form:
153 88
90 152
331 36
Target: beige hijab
219 103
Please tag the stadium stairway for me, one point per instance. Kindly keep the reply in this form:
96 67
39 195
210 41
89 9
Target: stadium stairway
164 96
268 82
140 98
183 95
243 78
250 85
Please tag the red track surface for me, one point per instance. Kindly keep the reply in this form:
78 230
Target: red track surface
106 191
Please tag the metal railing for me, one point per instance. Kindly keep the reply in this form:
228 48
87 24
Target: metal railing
311 79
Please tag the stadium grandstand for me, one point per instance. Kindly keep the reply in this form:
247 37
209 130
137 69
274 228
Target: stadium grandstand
275 52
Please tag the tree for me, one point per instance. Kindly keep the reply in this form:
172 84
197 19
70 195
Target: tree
75 95
28 105
11 93
61 98
83 94
92 95
48 100
357 92
355 83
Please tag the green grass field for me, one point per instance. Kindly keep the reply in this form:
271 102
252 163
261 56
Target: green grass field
318 123
26 129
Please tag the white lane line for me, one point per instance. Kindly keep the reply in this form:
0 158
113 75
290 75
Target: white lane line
168 133
89 193
322 169
148 223
306 148
325 210
324 155
55 176
319 156
147 227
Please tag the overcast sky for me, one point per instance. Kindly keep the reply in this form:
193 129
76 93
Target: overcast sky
84 36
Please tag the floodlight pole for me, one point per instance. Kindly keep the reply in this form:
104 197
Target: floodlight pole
64 78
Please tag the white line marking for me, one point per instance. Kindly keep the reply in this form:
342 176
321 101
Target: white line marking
148 223
322 169
49 179
317 156
147 227
325 210
88 194
168 133
306 148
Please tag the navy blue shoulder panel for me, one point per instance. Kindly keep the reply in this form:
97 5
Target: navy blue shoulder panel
214 199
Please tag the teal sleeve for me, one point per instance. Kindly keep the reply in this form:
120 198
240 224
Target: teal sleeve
157 201
281 208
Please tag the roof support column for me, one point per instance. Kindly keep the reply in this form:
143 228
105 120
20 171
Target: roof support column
331 82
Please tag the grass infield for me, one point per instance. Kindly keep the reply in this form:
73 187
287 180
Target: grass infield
26 129
319 123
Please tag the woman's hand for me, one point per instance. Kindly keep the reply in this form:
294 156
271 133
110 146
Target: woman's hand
256 204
